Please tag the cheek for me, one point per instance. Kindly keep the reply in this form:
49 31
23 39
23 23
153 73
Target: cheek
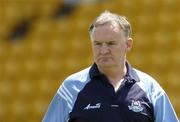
122 49
95 52
118 52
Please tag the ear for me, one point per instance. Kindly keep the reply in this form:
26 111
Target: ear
129 43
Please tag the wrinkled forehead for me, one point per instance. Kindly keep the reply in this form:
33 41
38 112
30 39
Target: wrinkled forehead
107 31
110 24
108 27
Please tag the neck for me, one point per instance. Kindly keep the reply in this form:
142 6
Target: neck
114 74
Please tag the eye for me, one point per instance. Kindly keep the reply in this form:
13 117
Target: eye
97 43
111 43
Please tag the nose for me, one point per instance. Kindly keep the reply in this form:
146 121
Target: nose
104 49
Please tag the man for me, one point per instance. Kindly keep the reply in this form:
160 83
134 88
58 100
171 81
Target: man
110 90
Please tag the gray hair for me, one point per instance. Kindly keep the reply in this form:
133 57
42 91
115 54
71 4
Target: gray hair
108 17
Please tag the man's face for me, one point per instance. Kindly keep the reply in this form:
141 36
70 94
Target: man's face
109 45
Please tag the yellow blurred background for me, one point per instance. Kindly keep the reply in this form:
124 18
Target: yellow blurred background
33 67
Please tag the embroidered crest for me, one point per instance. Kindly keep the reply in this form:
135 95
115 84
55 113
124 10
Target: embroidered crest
135 106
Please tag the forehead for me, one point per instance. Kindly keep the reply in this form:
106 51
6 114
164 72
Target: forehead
107 32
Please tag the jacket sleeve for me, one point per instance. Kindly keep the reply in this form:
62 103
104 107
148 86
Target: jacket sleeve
57 111
163 110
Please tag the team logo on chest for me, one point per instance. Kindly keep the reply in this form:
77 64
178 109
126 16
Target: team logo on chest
135 106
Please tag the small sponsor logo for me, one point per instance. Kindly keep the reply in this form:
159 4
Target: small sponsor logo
114 106
89 106
135 106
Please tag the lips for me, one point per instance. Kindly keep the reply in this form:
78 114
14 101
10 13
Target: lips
104 58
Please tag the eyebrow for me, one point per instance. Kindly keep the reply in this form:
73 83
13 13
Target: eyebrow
96 41
104 41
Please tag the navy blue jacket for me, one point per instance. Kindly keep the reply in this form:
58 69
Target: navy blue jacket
87 96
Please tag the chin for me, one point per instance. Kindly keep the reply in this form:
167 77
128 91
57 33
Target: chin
105 64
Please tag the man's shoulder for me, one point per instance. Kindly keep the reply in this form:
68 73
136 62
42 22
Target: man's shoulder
144 76
80 75
148 83
78 78
72 85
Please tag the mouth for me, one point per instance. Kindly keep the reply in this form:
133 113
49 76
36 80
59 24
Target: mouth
105 58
